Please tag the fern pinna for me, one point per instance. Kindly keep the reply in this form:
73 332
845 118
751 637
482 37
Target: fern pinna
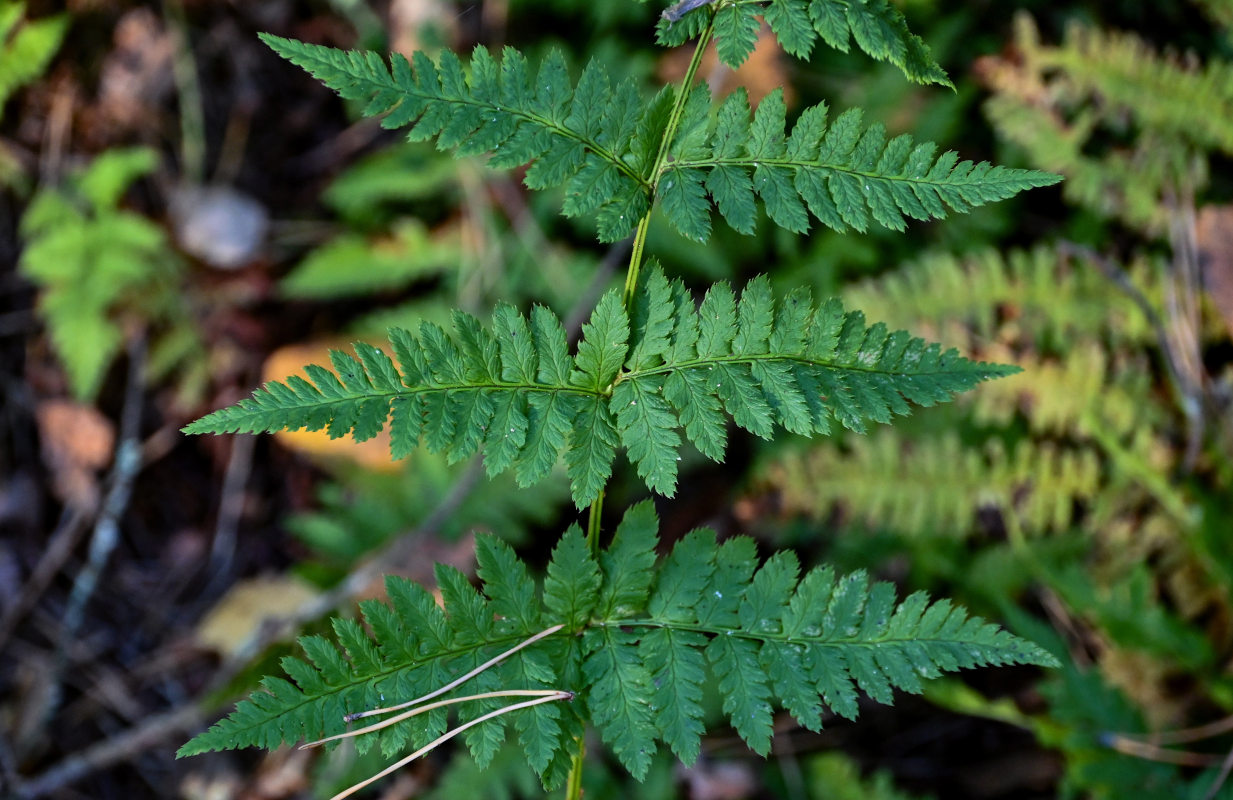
637 377
615 638
635 638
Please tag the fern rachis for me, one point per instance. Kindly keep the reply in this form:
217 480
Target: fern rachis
621 639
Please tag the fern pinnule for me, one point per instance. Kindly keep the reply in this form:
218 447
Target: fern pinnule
638 635
513 389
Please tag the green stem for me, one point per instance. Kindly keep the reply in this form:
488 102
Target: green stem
593 520
661 158
573 789
192 115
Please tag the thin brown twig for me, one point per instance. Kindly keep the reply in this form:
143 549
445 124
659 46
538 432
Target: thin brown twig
154 732
1226 767
1195 734
106 534
1150 752
230 510
56 554
1188 386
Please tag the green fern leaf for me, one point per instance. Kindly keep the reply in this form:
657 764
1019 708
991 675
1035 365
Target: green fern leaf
573 580
636 633
605 340
513 389
586 137
844 175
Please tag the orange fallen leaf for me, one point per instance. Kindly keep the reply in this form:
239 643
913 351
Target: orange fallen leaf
1214 236
290 360
77 442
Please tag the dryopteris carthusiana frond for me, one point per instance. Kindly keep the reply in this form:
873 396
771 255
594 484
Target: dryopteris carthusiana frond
652 368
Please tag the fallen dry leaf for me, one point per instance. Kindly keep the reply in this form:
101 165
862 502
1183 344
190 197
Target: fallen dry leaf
722 780
136 76
290 360
762 73
77 441
247 606
411 19
1214 236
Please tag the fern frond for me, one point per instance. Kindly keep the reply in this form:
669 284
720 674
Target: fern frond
877 27
847 175
1056 103
936 487
1079 395
648 628
1006 304
1040 290
93 261
514 390
1122 73
585 137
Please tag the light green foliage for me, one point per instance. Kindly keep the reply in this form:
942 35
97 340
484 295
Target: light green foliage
95 264
26 47
834 776
934 487
1128 612
600 141
647 628
1083 417
1165 115
404 173
516 390
352 264
1053 299
1219 10
877 27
